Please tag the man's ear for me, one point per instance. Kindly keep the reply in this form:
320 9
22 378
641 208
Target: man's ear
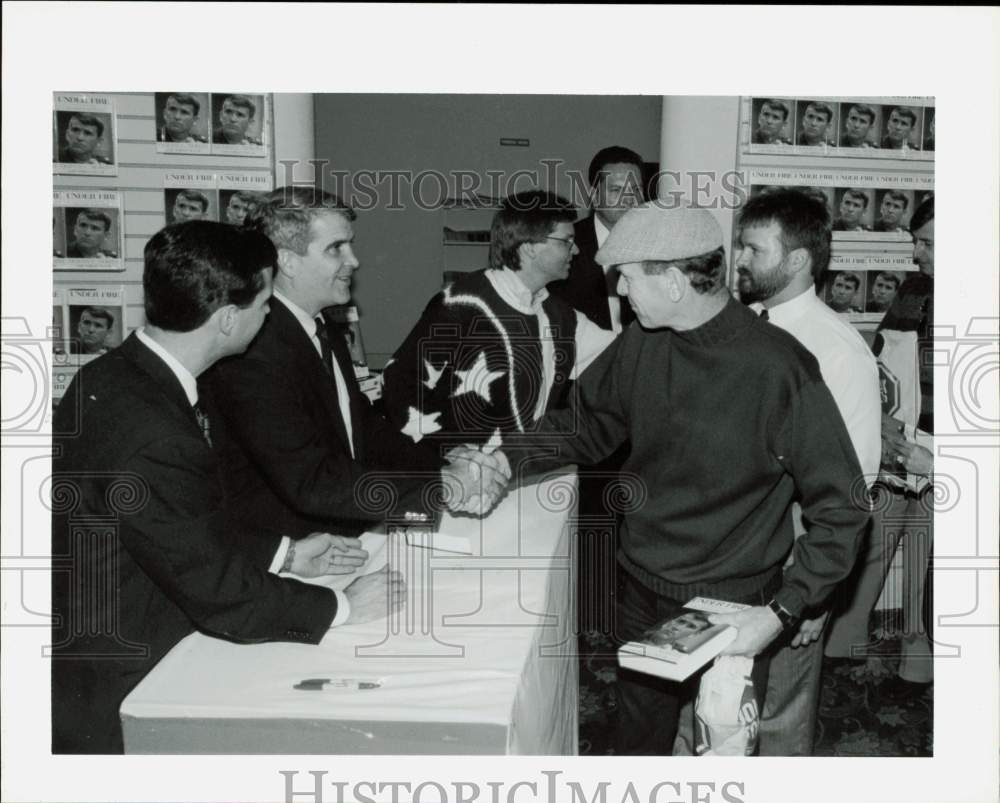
527 252
287 262
676 284
227 318
798 260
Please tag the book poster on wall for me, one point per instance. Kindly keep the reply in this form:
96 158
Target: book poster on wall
239 124
92 322
864 128
189 196
238 191
84 135
87 232
183 122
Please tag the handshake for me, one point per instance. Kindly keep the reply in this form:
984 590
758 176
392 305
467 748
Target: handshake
474 479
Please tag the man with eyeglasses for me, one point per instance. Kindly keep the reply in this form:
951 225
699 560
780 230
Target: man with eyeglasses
494 350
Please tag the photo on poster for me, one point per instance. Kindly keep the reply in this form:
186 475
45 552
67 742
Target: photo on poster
894 208
182 121
771 121
190 196
238 191
859 126
929 129
882 288
87 230
844 291
84 135
816 124
239 124
95 320
853 207
901 128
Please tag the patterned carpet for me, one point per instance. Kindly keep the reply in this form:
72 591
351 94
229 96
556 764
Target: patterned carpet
860 715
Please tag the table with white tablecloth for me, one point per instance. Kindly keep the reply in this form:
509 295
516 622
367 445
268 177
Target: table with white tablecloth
481 660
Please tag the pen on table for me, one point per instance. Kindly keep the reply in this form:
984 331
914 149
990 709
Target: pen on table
336 684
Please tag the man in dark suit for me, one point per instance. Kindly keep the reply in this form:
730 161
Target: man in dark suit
303 447
615 177
141 546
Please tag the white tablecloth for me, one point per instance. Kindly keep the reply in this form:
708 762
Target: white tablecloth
482 659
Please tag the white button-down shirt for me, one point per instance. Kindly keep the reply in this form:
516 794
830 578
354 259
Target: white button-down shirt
614 300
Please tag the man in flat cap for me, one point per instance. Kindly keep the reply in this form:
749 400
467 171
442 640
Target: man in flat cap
729 422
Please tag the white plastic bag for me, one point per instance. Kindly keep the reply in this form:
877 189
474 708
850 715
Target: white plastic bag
725 714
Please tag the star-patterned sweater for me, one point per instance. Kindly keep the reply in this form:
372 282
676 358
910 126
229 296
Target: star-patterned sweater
472 369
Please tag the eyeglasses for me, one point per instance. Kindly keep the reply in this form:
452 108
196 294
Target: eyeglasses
569 241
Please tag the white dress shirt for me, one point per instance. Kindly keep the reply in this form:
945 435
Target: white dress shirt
190 386
848 368
590 339
614 300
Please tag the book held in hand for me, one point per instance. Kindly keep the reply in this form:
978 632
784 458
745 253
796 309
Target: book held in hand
677 647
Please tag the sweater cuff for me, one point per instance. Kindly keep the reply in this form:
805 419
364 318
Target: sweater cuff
343 609
790 599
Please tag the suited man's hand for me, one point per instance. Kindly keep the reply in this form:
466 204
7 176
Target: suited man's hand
475 485
373 596
322 553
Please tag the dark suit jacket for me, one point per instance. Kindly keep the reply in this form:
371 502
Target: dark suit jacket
586 288
139 546
288 462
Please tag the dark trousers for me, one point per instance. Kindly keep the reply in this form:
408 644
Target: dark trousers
648 706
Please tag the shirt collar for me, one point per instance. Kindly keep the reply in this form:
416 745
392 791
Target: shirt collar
794 308
184 376
511 289
305 321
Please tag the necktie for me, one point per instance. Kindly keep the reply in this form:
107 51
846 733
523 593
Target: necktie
204 423
323 335
764 316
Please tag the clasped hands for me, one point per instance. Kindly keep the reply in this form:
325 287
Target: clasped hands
475 479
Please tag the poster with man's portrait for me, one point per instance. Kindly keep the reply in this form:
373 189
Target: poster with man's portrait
853 211
84 135
183 122
892 211
844 291
859 125
816 123
240 190
190 196
239 124
95 320
902 125
771 122
87 230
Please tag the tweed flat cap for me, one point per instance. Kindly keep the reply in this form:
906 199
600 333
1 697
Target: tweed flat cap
654 232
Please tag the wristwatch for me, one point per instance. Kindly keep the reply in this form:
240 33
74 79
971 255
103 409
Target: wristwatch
787 619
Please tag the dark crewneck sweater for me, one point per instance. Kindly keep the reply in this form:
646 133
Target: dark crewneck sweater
729 424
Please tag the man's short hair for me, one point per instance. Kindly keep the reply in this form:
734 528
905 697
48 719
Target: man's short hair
242 101
88 119
705 272
861 195
98 312
923 215
525 217
196 196
196 267
245 195
906 111
96 215
778 105
820 106
865 109
897 196
887 274
285 215
804 221
183 99
614 154
853 278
